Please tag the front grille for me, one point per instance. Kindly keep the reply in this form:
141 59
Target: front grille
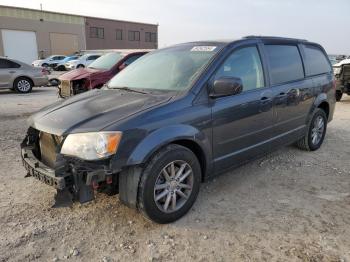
48 144
65 88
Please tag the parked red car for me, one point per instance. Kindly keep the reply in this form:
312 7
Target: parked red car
97 73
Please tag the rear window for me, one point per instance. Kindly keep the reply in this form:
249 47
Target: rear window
285 63
315 61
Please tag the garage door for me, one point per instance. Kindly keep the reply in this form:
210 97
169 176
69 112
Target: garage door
63 44
20 45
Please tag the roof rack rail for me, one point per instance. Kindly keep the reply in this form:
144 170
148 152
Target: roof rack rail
273 37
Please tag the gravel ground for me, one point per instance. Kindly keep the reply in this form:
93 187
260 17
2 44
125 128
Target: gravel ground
288 206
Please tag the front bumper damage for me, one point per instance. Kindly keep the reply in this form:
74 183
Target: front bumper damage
69 88
74 179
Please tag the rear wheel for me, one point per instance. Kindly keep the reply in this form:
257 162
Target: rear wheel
169 184
315 133
338 95
23 85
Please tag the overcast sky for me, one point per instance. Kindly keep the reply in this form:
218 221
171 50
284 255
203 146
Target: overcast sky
324 21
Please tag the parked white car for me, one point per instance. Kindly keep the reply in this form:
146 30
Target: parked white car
82 62
337 66
54 59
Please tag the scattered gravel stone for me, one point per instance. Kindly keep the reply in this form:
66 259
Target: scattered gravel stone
74 252
105 259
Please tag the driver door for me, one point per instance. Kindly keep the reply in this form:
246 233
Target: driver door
242 123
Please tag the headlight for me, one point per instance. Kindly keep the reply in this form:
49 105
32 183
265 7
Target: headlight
91 146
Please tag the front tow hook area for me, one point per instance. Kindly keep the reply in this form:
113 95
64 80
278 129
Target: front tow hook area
63 198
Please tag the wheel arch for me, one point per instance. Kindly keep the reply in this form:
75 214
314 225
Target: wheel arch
321 102
186 136
324 105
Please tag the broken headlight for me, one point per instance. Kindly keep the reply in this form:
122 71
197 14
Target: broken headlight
91 146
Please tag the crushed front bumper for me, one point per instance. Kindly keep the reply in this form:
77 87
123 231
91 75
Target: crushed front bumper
74 179
40 171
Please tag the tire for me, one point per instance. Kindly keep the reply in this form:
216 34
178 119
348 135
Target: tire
80 66
153 175
45 65
308 142
54 82
61 68
23 85
338 95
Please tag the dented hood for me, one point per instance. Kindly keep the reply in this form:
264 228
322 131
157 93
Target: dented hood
93 111
80 73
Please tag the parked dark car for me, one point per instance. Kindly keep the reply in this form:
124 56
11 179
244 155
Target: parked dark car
179 116
97 73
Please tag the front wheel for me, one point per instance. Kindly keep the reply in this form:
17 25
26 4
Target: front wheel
80 66
169 184
315 133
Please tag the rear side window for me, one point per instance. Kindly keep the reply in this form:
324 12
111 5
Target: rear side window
315 61
93 57
285 63
8 64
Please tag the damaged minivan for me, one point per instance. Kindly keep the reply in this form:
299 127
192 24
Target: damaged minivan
179 116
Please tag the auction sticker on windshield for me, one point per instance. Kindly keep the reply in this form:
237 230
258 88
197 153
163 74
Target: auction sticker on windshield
203 48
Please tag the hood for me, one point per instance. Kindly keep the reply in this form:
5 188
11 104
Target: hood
93 111
80 73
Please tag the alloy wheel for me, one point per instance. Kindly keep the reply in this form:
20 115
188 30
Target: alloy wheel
317 130
23 85
173 186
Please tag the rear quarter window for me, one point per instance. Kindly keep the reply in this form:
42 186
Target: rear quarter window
316 62
285 63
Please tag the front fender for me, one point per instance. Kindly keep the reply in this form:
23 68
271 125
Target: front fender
166 135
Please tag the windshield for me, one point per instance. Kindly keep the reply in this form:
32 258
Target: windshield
172 68
106 61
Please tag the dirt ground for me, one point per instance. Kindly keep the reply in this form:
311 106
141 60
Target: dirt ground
288 206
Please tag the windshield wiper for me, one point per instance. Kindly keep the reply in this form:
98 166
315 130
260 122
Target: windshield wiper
124 88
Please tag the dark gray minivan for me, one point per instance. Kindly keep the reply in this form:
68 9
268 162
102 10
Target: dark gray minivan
179 116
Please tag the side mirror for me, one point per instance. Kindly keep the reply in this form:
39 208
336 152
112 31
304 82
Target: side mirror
226 86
